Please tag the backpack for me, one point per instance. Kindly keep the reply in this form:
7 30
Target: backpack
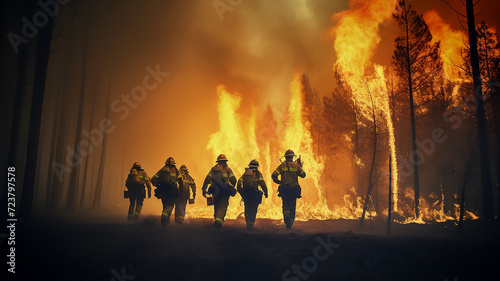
250 191
133 179
166 180
220 185
249 179
218 177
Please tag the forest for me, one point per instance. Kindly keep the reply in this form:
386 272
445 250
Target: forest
393 107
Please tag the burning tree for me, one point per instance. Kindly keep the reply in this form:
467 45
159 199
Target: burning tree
417 63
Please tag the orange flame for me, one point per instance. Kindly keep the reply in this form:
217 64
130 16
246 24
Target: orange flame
356 38
452 42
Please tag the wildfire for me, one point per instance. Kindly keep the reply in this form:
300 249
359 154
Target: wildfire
452 42
297 136
237 139
356 38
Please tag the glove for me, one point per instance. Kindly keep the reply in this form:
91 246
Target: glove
265 195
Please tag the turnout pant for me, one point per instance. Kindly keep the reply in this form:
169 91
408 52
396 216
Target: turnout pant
220 208
168 206
136 202
180 207
289 204
250 212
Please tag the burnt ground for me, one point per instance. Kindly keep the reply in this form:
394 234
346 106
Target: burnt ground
98 247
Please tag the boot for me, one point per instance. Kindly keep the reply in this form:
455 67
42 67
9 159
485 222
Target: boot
165 219
288 222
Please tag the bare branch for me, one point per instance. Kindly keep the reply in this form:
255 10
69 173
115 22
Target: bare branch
457 12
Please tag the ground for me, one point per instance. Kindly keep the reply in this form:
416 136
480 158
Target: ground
106 247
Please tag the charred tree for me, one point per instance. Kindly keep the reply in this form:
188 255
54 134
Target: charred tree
462 197
100 177
42 58
370 184
85 171
73 186
23 54
389 210
481 119
53 146
415 61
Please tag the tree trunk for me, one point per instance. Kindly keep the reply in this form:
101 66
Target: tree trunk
42 59
22 63
389 210
370 185
416 182
73 180
462 198
100 177
53 147
488 211
85 171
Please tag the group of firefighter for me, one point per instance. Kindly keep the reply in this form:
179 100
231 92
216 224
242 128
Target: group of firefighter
174 188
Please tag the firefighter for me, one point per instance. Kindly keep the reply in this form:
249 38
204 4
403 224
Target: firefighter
168 181
222 182
248 187
188 185
289 189
136 182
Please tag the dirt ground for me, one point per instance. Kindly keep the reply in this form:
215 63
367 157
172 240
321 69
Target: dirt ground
99 247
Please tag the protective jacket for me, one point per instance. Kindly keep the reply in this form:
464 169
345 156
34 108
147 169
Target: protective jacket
289 171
